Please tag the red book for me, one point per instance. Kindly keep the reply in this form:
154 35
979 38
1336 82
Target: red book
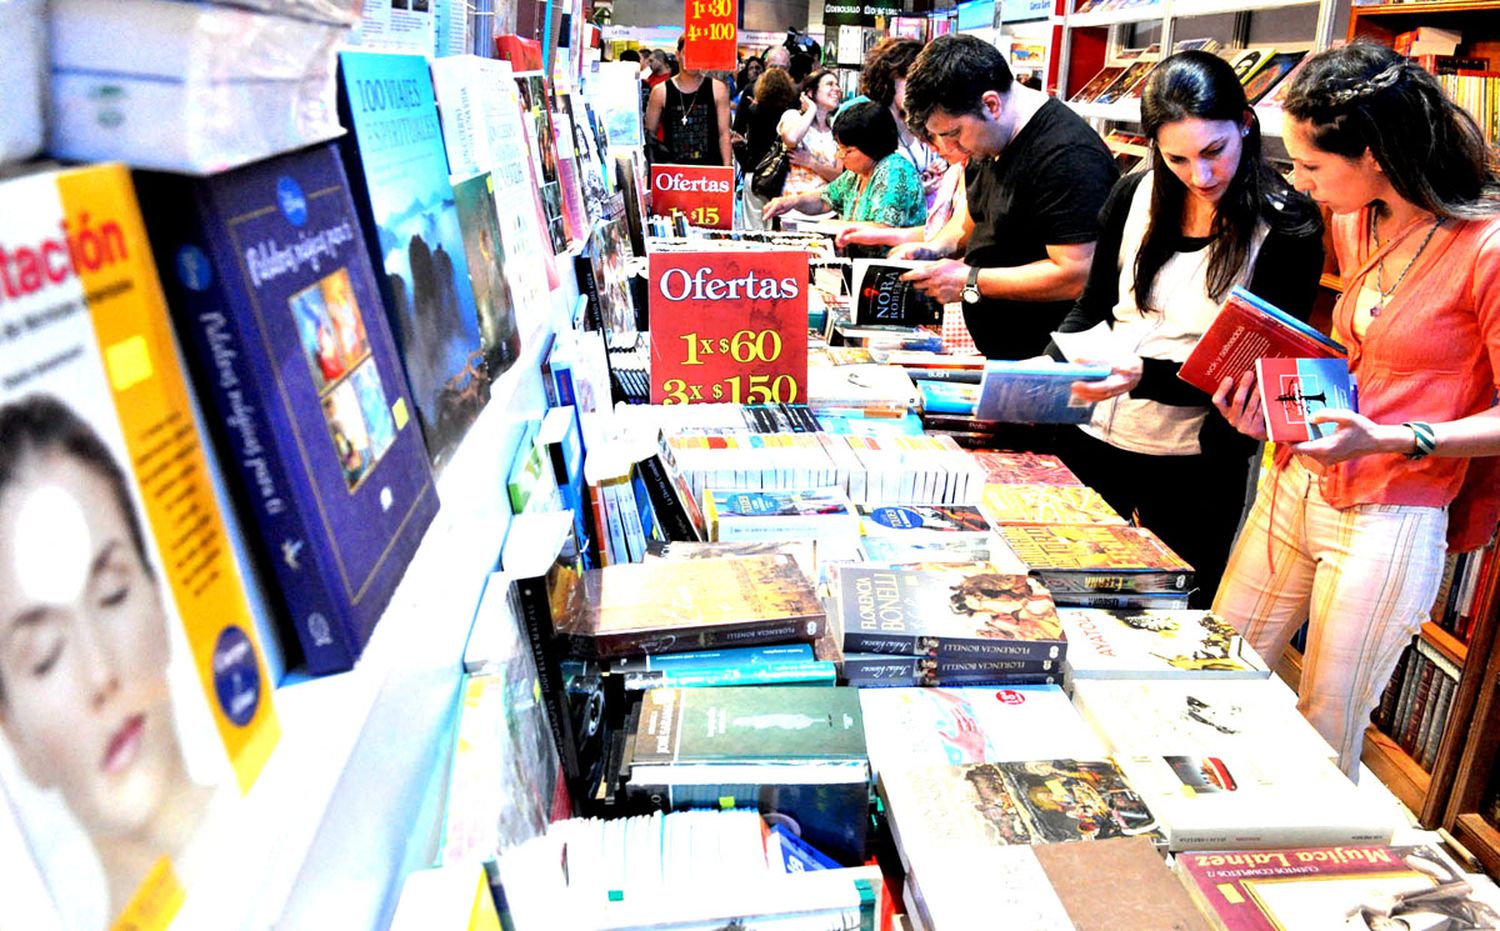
1246 329
1292 390
523 54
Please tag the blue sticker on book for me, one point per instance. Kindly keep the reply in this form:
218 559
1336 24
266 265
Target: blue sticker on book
897 518
194 269
236 676
293 202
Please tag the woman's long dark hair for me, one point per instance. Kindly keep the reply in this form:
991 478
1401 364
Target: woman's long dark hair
1197 85
1365 96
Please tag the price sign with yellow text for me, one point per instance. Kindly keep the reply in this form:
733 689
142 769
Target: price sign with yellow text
728 327
702 193
711 35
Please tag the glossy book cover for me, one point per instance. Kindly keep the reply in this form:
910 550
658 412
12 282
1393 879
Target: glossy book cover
1047 504
281 320
1098 557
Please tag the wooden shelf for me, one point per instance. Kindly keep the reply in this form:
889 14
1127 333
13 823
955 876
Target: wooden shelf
1422 8
1400 773
1481 838
1453 649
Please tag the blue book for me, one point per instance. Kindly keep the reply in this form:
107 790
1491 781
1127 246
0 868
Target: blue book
1026 392
559 441
398 171
948 397
715 659
280 317
797 855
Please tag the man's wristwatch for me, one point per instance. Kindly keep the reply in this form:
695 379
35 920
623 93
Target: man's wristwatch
971 287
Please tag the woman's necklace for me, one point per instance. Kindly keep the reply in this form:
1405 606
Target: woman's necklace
1380 289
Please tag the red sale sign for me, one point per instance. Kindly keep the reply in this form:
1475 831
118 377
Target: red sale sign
710 35
728 327
703 193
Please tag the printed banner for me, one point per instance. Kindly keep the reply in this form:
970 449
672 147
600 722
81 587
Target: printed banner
710 28
702 193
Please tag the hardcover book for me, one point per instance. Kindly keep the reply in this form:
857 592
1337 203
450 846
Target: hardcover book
1339 886
1248 328
1125 644
906 727
947 611
667 606
1087 558
1292 390
302 387
474 199
399 174
1027 392
1023 468
137 702
792 750
880 296
1047 504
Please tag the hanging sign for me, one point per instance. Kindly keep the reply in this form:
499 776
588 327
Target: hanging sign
729 327
710 33
702 193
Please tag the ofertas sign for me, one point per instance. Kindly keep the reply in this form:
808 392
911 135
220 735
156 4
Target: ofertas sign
703 193
710 35
728 326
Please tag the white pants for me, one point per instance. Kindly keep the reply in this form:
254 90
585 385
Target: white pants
752 205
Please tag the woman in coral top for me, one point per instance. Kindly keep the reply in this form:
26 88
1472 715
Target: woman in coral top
1350 530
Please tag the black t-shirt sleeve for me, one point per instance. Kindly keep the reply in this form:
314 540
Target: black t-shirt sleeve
1070 191
1102 290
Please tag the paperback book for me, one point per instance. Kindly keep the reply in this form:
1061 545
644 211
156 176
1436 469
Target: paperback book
1027 392
1090 558
1125 644
786 664
880 296
299 377
946 611
1246 329
771 515
1046 504
494 305
1292 390
1023 468
886 670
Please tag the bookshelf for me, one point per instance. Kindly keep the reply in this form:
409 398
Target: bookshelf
1470 752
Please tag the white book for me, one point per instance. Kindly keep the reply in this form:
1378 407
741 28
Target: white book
1253 717
963 891
452 897
1126 644
907 727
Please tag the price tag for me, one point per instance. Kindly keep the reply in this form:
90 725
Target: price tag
728 327
710 33
703 193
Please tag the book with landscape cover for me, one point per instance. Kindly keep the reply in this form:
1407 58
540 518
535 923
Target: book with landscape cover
881 297
1124 644
1292 390
1029 392
301 385
1242 800
668 606
1355 886
947 611
398 172
1046 504
794 750
1087 558
1002 467
1246 329
494 305
137 700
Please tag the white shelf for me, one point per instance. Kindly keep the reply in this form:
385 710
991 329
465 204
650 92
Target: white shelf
1136 14
1181 8
1270 119
1125 111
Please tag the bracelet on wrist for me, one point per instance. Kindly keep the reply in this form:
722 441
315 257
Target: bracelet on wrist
1424 440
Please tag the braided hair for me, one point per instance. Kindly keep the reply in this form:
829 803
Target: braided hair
1366 96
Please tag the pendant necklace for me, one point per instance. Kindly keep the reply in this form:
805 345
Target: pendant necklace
1380 289
688 110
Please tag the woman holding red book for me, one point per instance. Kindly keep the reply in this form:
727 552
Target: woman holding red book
1349 531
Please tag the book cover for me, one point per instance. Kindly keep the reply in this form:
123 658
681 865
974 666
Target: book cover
1027 392
921 520
947 611
1046 504
1292 390
519 212
907 727
1249 62
1337 886
137 705
1124 644
745 515
948 397
1087 558
1246 329
399 175
280 317
805 552
666 606
1023 468
494 305
1276 68
536 114
881 297
1131 83
606 254
947 547
1096 85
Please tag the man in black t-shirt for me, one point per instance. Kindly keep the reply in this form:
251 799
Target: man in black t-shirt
1037 177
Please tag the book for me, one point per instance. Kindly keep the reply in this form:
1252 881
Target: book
880 296
1255 800
1292 390
666 606
786 664
1023 468
1087 558
1028 392
886 670
519 212
1336 886
145 702
1046 504
1096 85
921 520
1131 83
906 727
947 547
1124 644
536 116
280 317
946 611
559 443
399 175
1246 329
1248 62
768 515
494 306
948 396
1276 69
793 750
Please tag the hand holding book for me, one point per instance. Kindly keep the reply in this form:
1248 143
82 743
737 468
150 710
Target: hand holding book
943 280
1124 374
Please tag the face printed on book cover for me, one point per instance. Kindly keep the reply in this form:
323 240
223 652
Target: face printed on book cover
83 650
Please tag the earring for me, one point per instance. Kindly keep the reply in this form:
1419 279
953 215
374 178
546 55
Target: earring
1244 131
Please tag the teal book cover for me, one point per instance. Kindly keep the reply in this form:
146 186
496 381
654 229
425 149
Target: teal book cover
494 305
750 724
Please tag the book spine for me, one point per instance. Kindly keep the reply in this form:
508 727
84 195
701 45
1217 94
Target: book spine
1258 836
1432 728
1409 678
618 552
568 489
1410 722
810 672
673 518
532 605
600 542
232 378
1091 581
884 667
889 644
630 518
743 634
1387 706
